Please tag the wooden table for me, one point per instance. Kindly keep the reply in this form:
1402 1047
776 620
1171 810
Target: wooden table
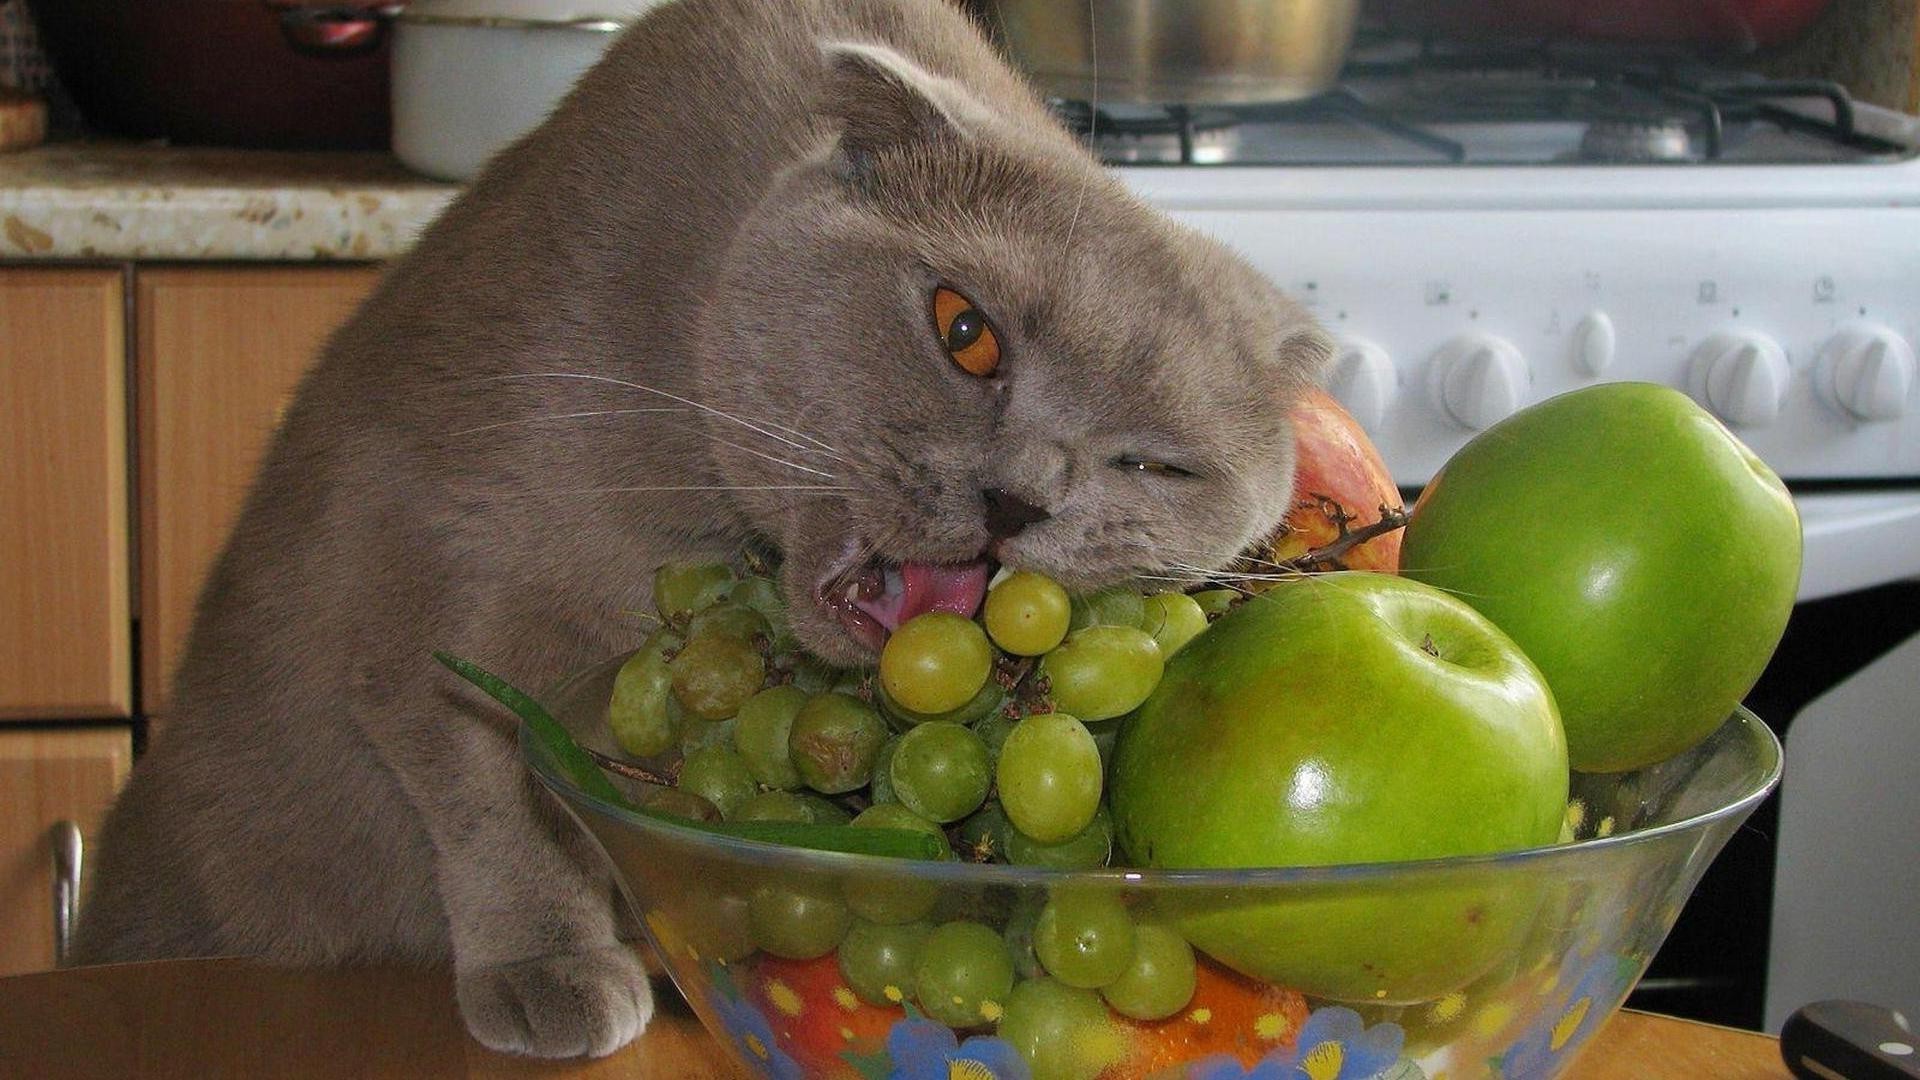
228 1018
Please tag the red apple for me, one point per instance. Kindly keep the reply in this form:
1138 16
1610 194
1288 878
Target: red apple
1339 483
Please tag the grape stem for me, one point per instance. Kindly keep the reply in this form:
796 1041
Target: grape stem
627 768
1330 554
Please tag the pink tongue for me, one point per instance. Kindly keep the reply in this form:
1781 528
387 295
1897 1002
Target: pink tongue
916 588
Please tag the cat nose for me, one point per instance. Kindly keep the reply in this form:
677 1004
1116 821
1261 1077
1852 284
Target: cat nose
1008 513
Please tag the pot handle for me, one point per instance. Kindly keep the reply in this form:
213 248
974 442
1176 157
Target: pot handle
334 29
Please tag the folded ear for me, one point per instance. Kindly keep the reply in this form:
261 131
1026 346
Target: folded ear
884 100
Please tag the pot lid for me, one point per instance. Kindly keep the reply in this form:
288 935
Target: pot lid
585 14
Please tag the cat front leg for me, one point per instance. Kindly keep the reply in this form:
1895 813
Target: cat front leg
539 966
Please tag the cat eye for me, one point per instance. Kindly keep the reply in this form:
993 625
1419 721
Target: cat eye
1157 468
964 333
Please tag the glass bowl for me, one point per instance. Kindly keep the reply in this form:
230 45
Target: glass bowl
1496 965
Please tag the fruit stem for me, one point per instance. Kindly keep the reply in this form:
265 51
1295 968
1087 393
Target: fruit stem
1329 555
627 768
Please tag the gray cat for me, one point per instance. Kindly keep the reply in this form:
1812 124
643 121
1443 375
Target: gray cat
820 272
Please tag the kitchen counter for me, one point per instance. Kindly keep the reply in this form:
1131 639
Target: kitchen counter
207 1018
146 202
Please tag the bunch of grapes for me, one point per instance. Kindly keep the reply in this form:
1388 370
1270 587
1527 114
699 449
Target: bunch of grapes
991 734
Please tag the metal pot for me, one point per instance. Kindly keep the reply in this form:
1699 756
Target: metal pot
1187 51
472 76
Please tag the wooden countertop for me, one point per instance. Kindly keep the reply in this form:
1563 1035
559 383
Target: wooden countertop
229 1018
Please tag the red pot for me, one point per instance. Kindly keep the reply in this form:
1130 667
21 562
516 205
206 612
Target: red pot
1736 24
245 73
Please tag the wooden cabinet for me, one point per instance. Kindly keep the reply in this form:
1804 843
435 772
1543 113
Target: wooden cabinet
47 776
65 636
218 353
212 355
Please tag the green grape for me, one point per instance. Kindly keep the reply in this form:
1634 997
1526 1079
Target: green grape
763 596
667 800
877 960
715 674
894 898
1215 602
1027 613
697 734
1102 671
729 619
963 975
850 682
989 700
721 930
1084 937
761 731
1173 619
680 589
984 835
643 713
1064 1032
1160 980
1049 777
773 806
941 771
935 662
834 741
1022 917
718 775
823 811
812 675
994 731
797 920
880 789
1117 606
1088 849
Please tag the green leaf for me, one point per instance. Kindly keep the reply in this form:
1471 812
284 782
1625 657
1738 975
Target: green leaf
557 740
581 769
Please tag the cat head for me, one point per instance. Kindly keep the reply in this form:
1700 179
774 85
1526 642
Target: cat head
964 341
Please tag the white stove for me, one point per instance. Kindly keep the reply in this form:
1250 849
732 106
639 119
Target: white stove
1483 235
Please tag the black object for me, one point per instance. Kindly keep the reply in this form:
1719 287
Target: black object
1850 1040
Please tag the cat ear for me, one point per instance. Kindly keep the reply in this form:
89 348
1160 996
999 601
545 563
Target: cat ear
882 100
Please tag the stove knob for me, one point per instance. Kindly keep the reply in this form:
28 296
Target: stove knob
1593 343
1866 371
1740 375
1478 379
1364 382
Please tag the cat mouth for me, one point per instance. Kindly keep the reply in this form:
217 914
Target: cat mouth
873 597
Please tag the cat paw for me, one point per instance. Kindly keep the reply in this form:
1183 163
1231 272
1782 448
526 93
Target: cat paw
589 1003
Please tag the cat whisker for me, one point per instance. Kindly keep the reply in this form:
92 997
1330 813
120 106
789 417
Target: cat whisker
773 458
1093 119
694 487
702 406
561 416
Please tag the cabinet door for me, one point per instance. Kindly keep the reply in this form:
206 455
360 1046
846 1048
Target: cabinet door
48 776
219 352
64 578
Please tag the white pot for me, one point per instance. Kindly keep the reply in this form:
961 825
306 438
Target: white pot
471 76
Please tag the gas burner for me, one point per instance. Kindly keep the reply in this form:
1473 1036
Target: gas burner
1417 104
1636 142
1154 134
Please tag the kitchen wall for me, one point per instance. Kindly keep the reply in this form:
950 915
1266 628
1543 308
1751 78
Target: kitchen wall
1872 47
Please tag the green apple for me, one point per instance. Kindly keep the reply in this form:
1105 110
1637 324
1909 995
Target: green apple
1345 718
1643 557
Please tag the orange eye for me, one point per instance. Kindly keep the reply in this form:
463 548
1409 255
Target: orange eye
964 333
